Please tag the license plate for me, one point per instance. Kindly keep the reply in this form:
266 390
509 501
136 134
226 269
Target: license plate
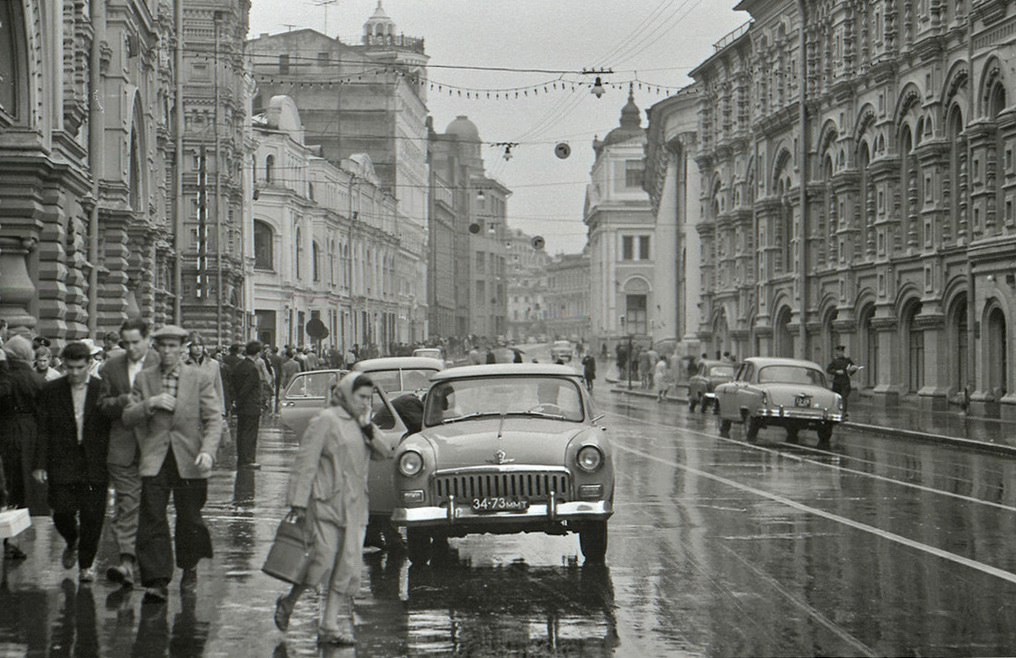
499 504
803 401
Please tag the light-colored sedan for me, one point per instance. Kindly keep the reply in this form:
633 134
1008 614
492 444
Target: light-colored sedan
771 392
505 449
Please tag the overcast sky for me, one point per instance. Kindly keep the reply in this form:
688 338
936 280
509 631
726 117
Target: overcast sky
660 39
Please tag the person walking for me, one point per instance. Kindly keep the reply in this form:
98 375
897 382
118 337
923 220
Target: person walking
290 368
178 415
276 362
328 492
72 447
589 370
660 373
19 392
198 357
842 368
247 386
120 373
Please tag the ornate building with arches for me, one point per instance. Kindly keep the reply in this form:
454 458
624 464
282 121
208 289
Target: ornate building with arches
858 184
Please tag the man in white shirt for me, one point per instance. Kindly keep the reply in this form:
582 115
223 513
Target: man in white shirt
118 375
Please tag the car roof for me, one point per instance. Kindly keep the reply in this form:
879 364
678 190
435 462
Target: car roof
713 362
762 361
509 369
396 363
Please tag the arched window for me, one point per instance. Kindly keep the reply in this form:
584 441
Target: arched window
298 247
998 353
13 73
331 262
134 196
269 166
315 255
263 256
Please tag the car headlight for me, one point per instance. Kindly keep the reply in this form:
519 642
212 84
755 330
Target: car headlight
589 459
410 463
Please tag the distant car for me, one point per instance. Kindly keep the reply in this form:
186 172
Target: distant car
788 393
505 449
702 385
562 349
400 374
436 353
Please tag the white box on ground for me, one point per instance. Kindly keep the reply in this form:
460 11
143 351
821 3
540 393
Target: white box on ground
14 522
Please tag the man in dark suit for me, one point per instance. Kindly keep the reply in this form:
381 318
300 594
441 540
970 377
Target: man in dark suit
276 362
178 416
118 375
71 451
229 361
248 390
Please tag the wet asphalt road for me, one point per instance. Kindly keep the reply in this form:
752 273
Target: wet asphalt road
877 547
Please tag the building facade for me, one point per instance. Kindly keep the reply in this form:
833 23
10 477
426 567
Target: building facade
857 187
95 148
567 298
325 242
527 284
620 220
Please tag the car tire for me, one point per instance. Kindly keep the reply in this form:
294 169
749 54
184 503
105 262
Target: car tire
825 434
593 541
725 428
418 545
751 431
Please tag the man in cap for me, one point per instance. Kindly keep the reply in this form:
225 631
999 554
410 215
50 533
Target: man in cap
841 368
119 375
178 414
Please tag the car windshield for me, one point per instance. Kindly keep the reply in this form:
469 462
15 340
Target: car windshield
537 396
791 375
311 384
721 371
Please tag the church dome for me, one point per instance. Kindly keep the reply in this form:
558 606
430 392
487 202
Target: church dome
631 123
380 24
464 129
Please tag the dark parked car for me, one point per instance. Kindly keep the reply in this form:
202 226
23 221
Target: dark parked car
702 386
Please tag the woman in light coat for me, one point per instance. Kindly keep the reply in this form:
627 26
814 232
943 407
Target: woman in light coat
328 491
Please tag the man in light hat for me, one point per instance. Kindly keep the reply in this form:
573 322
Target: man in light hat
178 414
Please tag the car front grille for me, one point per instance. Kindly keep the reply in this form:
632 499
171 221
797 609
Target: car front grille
535 486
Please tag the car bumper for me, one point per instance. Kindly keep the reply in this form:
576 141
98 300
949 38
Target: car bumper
458 514
807 415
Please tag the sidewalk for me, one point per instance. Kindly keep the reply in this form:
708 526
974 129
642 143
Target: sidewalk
950 427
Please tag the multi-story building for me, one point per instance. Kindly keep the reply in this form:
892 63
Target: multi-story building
527 283
468 223
620 219
95 147
326 243
567 297
857 187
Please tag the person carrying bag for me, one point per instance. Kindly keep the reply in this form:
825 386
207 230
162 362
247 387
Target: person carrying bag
328 498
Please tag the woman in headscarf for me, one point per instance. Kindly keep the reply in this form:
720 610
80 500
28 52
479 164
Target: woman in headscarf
328 492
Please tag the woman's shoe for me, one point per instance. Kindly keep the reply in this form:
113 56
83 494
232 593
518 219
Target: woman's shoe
335 636
282 614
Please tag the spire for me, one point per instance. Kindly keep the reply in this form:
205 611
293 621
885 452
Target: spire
631 117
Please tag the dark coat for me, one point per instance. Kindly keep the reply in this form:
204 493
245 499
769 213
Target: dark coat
247 388
58 451
19 393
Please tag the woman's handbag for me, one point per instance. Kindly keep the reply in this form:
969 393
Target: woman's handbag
291 552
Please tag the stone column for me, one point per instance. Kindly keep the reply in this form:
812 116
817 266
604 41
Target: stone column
887 390
935 392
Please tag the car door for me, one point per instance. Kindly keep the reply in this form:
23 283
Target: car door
747 398
304 397
727 396
381 474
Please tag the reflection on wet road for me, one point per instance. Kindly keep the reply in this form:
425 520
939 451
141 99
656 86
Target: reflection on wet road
717 547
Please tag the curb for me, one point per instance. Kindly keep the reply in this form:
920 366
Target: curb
880 430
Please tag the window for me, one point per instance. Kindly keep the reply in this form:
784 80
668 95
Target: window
635 314
269 165
481 262
263 246
283 63
322 59
12 76
633 173
627 247
643 247
299 253
315 253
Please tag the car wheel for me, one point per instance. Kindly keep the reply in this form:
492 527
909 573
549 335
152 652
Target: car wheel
418 545
825 433
725 428
792 435
751 432
593 541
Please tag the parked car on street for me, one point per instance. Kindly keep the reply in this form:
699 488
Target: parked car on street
771 392
505 449
702 385
436 353
562 349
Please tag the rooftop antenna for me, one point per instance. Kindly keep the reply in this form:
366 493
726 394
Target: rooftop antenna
325 4
289 26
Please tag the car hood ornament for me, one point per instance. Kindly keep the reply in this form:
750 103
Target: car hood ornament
500 458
